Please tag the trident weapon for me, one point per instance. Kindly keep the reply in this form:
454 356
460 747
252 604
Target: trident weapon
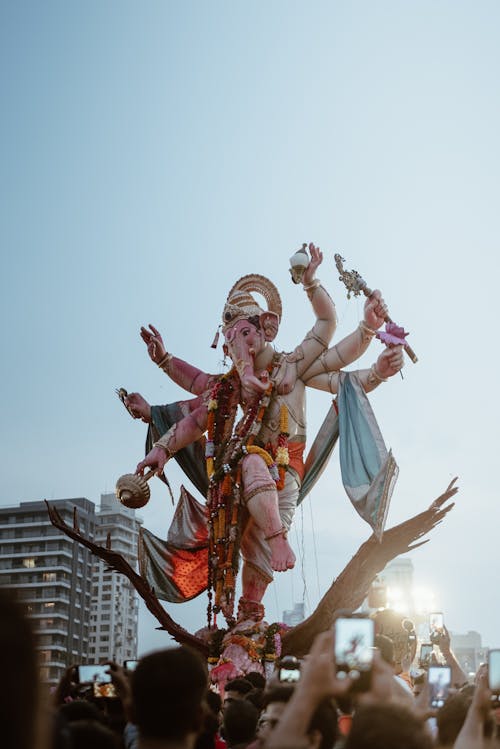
355 284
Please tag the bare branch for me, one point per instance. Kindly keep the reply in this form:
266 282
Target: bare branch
118 564
351 587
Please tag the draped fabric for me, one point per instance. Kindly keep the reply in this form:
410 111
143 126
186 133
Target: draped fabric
177 568
191 458
369 471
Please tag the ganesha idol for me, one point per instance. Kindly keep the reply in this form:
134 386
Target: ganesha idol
255 464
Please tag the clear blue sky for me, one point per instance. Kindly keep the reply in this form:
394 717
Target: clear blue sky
152 153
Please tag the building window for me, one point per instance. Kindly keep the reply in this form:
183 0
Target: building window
29 562
49 577
49 605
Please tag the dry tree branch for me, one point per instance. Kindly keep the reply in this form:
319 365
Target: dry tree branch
353 583
117 563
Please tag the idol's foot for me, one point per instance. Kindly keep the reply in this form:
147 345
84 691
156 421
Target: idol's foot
282 556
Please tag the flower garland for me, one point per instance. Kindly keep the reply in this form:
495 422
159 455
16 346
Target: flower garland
223 452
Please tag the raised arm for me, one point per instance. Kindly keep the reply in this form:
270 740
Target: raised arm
354 345
185 375
387 365
318 339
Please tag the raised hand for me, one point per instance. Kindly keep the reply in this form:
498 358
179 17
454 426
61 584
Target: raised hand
314 263
138 407
375 310
153 340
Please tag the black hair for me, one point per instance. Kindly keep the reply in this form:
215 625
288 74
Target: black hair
168 690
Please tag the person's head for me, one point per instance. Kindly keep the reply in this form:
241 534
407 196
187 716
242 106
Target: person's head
451 717
240 722
257 680
91 733
384 726
322 730
80 710
256 697
19 686
236 689
274 701
168 691
386 648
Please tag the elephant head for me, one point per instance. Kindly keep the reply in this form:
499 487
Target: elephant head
247 328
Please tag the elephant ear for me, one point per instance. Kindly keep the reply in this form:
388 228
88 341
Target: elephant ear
269 323
241 305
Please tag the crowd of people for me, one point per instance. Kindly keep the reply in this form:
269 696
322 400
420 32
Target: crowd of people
167 702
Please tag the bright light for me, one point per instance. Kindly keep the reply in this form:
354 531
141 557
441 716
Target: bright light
425 600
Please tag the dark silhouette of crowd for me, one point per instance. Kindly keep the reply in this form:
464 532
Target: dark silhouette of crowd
168 702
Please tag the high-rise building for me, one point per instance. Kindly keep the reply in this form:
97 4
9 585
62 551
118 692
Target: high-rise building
52 575
115 604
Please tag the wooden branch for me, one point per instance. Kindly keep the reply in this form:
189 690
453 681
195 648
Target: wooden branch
351 587
118 564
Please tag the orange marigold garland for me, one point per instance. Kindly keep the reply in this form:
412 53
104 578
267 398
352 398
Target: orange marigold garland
225 446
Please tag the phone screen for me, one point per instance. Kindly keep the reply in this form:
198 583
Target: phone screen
96 675
425 654
439 685
289 675
494 670
354 649
436 623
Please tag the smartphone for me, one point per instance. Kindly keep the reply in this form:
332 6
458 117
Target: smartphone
424 659
289 670
354 638
96 675
494 671
439 685
130 665
436 625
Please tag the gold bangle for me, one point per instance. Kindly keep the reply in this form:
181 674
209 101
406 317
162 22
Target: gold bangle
313 285
163 447
165 362
374 376
366 330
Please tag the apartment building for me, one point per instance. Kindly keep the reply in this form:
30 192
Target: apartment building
52 575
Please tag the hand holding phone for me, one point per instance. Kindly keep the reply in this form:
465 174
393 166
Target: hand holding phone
494 673
289 670
97 676
439 685
354 638
424 659
436 626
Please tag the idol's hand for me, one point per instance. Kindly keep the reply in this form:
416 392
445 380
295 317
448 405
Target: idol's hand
155 459
390 361
138 407
153 340
375 310
314 263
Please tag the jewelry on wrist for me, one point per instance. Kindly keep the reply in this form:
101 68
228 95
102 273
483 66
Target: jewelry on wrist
374 378
163 447
366 330
313 285
165 362
164 442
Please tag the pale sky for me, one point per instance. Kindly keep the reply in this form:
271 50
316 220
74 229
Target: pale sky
153 153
